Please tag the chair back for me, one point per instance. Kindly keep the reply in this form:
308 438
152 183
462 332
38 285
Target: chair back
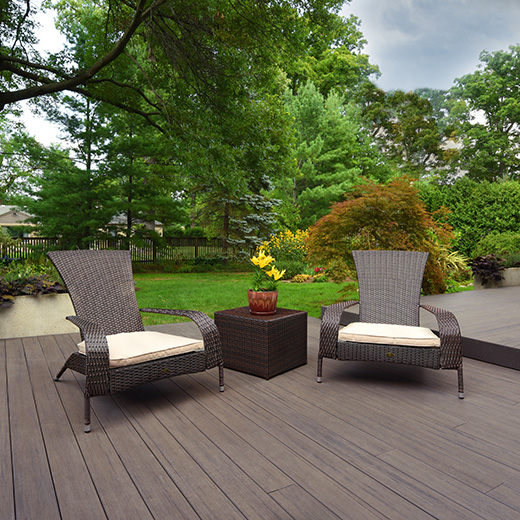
390 285
101 287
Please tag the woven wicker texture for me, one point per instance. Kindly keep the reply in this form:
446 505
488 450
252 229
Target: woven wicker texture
101 287
389 286
264 346
389 292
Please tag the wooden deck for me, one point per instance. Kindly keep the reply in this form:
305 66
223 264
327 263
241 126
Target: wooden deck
372 441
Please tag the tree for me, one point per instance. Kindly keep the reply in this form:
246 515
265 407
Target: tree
331 56
491 140
332 151
218 47
404 125
381 216
16 163
138 161
66 201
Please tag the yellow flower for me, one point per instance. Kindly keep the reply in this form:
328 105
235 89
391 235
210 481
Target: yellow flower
274 273
262 260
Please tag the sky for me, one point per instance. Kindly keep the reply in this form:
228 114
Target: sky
52 41
430 43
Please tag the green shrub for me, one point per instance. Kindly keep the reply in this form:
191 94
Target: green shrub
292 268
511 260
478 209
500 244
208 260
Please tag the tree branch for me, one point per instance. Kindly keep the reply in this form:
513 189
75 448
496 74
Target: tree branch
83 77
127 108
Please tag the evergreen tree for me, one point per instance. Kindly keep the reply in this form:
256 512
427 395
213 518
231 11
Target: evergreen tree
68 202
333 150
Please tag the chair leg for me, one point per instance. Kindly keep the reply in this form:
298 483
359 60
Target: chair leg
461 382
221 377
60 373
87 413
320 368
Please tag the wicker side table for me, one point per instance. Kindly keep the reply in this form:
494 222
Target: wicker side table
264 346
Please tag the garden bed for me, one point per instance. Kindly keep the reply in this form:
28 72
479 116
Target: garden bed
37 316
511 279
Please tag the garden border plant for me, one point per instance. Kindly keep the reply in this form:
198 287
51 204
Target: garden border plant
27 279
488 268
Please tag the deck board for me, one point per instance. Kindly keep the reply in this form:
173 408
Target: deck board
372 441
6 468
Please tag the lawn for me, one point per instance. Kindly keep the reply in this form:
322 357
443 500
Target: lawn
210 292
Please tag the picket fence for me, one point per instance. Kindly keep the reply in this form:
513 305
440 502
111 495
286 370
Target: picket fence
169 249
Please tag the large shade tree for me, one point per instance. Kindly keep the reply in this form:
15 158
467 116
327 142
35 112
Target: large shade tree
218 47
489 124
204 74
405 126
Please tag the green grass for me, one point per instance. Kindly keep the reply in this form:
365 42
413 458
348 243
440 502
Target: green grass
210 292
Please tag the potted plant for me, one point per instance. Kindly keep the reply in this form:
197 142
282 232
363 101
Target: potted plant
263 295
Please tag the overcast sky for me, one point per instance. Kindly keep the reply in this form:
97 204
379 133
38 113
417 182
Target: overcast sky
430 43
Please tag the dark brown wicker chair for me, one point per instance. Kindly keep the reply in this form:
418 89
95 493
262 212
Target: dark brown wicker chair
389 293
101 287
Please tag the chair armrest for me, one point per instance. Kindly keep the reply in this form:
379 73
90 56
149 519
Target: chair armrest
449 333
208 329
329 327
97 380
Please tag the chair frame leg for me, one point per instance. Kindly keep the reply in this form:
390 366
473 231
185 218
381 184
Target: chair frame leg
87 413
60 373
221 377
461 382
320 369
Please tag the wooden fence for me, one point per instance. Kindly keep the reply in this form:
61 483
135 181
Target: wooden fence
169 249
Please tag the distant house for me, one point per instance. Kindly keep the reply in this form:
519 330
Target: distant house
118 224
15 221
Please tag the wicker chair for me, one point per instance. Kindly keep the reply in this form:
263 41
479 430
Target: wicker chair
388 327
101 288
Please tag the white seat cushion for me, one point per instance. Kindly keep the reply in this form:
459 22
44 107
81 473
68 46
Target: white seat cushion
388 334
130 348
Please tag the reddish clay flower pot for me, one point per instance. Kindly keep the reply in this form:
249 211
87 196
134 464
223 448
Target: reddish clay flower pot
262 302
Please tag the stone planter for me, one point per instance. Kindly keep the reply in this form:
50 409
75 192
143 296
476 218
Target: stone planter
511 278
37 316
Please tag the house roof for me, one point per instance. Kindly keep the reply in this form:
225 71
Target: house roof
12 216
